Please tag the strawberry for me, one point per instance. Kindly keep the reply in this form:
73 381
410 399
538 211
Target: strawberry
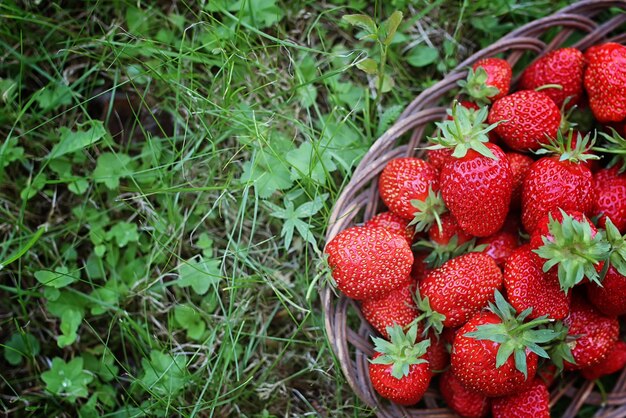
543 226
500 246
558 182
438 353
573 245
477 190
449 228
563 67
614 362
610 198
495 353
438 157
369 263
533 402
394 224
527 116
476 184
488 80
596 334
465 403
605 81
527 286
520 165
420 267
458 289
396 308
399 370
404 180
548 373
610 297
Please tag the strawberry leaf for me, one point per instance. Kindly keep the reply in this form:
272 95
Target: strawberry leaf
475 86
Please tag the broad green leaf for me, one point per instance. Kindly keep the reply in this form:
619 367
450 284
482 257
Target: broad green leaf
190 319
267 173
368 65
67 380
421 56
387 85
165 374
58 278
312 161
103 366
123 233
110 168
54 95
36 184
362 21
20 346
260 13
70 308
389 27
72 141
199 274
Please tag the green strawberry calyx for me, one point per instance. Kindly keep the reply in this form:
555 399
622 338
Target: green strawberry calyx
440 253
617 252
432 319
616 146
467 130
514 335
476 87
429 211
401 351
568 148
560 349
574 248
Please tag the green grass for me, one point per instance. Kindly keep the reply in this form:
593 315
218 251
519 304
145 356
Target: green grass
166 175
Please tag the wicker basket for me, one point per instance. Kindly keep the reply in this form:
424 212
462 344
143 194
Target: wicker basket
359 201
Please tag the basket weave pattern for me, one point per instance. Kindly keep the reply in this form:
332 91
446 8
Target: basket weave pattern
359 201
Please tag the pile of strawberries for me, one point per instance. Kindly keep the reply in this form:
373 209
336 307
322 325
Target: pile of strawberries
501 263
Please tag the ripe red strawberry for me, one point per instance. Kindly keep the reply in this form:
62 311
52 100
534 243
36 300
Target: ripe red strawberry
520 165
564 67
543 226
527 286
449 228
474 358
533 402
477 190
614 362
369 262
465 403
394 224
610 298
404 180
399 370
438 157
489 80
530 116
438 353
548 373
420 267
500 246
611 198
570 246
558 182
596 333
459 289
476 183
396 308
605 81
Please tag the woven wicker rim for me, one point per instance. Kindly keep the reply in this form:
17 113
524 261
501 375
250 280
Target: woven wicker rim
359 201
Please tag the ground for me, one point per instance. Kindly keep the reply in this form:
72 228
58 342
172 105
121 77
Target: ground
166 174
